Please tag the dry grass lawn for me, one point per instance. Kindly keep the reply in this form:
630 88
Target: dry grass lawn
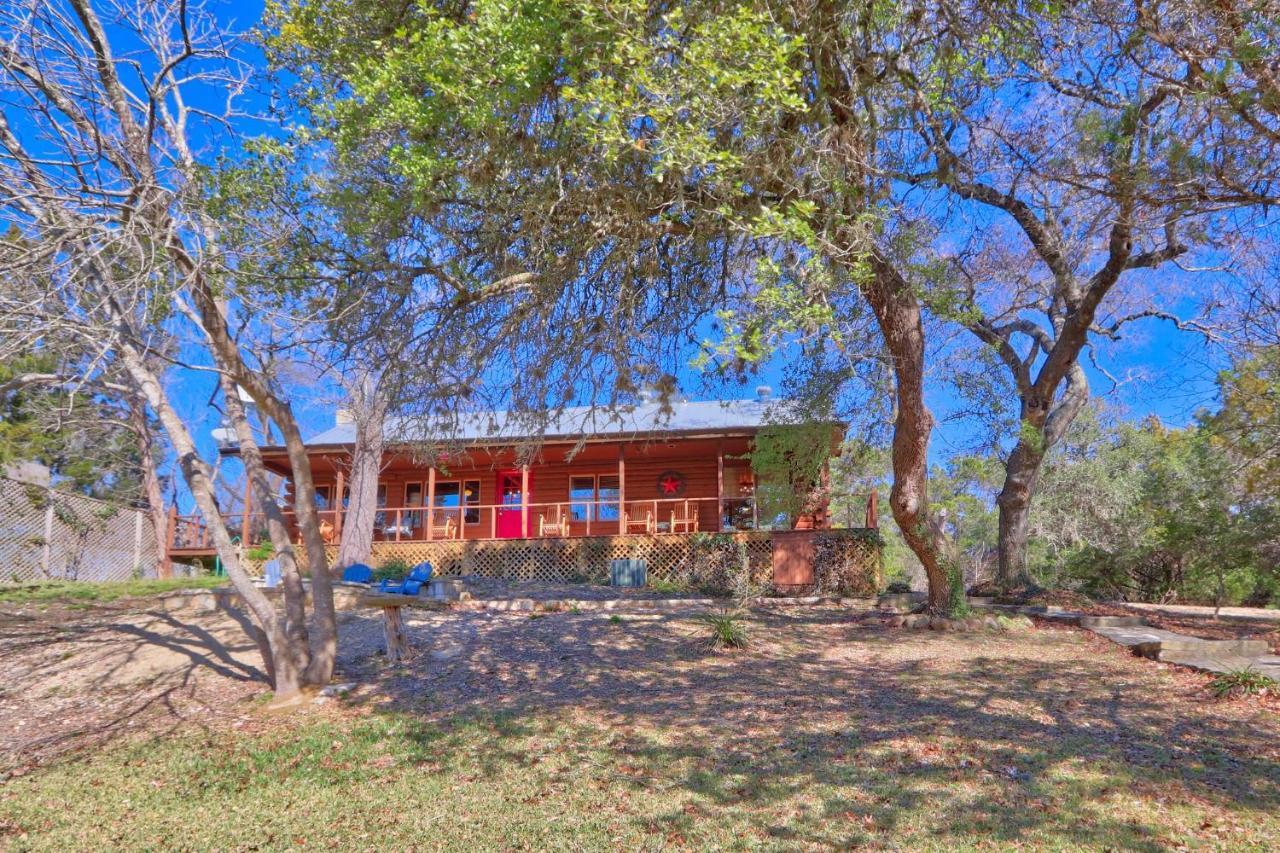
591 731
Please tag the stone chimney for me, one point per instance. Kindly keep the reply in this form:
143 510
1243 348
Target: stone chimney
343 416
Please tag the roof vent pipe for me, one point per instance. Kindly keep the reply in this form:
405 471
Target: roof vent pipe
764 393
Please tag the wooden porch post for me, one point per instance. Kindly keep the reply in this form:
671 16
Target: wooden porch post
622 489
719 486
339 488
524 501
431 502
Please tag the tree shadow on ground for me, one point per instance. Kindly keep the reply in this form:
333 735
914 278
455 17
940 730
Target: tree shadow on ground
76 682
993 736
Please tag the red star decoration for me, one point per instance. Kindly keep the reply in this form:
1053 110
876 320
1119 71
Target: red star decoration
670 485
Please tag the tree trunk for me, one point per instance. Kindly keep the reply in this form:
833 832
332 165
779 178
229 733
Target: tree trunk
1040 431
324 634
901 324
278 658
151 485
1022 473
370 410
295 595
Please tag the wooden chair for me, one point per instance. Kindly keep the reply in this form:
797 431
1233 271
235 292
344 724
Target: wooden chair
443 526
684 518
640 520
555 526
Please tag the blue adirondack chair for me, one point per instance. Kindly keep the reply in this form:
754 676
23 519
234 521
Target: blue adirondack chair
420 574
357 573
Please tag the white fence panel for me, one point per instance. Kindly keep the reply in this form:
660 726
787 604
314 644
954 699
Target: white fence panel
47 534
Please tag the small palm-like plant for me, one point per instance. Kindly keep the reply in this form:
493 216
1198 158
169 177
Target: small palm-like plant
1243 682
726 629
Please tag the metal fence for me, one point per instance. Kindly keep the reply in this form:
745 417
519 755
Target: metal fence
47 534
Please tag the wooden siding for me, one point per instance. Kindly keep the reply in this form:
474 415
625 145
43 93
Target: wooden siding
550 472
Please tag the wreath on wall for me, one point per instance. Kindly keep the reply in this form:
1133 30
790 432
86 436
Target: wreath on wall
671 484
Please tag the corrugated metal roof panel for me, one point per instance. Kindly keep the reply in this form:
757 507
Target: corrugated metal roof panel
580 421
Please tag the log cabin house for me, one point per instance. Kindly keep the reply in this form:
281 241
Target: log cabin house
593 486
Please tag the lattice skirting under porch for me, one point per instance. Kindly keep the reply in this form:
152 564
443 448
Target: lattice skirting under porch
582 559
851 554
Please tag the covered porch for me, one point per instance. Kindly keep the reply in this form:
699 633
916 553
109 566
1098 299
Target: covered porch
607 489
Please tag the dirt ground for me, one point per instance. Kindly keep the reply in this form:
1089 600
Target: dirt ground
77 677
83 674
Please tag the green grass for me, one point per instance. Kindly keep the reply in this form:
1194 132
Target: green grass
87 591
566 782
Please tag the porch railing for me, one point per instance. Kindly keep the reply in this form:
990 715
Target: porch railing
532 520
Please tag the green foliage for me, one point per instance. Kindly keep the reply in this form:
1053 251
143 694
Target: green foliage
1243 682
788 462
666 585
261 551
957 604
725 629
898 588
392 568
75 435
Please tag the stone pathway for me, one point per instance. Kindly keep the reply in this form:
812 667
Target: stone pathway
1242 614
1134 633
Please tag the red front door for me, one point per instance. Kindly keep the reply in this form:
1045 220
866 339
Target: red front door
510 500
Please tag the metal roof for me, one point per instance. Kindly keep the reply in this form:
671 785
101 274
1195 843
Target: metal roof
645 419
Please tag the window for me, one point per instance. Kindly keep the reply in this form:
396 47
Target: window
413 497
593 497
452 494
471 497
607 493
582 491
322 498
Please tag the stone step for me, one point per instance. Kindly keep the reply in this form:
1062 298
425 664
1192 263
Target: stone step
1112 622
1239 648
1268 665
1194 652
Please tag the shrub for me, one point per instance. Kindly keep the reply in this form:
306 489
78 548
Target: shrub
726 630
846 563
261 551
898 588
667 586
392 568
1243 682
718 565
